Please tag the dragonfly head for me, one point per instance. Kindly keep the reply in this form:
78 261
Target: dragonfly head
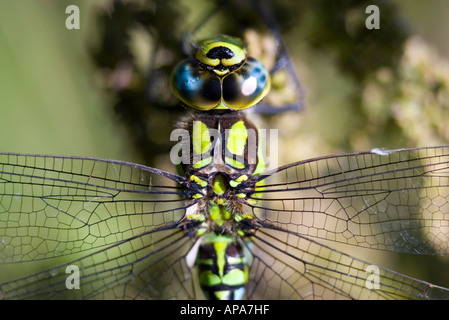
220 75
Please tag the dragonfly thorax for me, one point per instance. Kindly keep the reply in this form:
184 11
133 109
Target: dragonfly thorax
219 206
224 153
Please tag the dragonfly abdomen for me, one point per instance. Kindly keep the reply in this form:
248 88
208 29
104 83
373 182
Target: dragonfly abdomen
222 267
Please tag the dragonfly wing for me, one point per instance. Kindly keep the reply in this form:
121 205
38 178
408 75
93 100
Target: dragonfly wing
95 214
147 266
391 200
290 266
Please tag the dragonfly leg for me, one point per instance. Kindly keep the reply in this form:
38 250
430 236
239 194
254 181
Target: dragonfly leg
283 63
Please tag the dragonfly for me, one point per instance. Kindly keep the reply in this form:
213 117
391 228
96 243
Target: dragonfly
133 231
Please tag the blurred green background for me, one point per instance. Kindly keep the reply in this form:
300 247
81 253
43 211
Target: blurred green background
50 103
56 99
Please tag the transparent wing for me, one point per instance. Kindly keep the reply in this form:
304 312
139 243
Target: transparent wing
107 218
148 266
391 200
290 266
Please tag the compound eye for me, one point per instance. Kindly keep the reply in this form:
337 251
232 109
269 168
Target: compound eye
197 88
246 86
220 77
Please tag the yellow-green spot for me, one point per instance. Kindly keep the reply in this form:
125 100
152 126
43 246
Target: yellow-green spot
225 213
202 183
220 249
200 137
215 214
236 182
221 72
236 138
233 183
212 237
209 278
235 277
259 188
207 262
200 231
197 217
221 106
234 163
236 260
261 161
221 295
219 214
202 163
252 202
240 217
219 185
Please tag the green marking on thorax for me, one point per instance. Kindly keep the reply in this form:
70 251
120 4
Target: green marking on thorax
201 137
219 185
261 164
218 213
237 137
